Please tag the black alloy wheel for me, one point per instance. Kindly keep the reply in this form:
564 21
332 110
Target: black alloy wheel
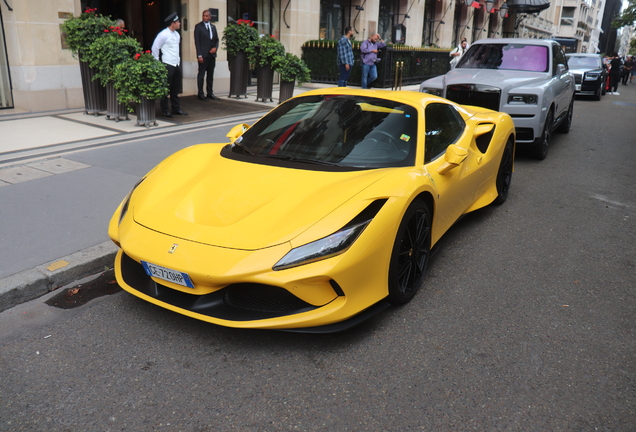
541 147
566 123
504 175
411 252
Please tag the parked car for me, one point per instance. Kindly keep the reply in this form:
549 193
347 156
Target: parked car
319 215
526 78
590 74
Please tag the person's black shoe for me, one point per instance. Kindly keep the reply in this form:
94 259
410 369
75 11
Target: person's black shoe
166 114
202 98
211 96
180 112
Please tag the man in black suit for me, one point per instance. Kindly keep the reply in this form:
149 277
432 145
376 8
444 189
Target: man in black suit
206 40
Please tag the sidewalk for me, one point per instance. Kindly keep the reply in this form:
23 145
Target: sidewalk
33 169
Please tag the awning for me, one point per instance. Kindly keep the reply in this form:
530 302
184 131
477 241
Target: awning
527 6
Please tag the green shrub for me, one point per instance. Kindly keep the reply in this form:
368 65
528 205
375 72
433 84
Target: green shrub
141 76
108 51
291 68
83 30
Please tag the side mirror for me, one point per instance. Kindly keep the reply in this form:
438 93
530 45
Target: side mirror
560 69
237 131
453 157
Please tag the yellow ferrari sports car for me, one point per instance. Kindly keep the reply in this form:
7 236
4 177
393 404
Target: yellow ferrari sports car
316 217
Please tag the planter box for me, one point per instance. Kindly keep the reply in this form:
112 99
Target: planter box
239 69
264 84
286 90
114 110
147 112
94 92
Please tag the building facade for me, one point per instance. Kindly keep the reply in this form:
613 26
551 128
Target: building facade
38 73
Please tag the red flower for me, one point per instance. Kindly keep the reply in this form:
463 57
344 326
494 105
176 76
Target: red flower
137 56
105 30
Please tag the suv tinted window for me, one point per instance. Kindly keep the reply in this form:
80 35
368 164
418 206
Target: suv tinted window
524 57
444 126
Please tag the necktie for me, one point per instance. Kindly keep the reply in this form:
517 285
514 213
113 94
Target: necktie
207 25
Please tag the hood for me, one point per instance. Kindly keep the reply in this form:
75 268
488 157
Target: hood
492 77
581 71
203 197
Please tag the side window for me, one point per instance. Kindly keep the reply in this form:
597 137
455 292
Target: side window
444 126
558 57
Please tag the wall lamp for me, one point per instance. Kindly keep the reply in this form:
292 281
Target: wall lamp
503 10
490 4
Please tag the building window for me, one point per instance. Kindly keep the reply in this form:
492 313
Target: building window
264 13
6 98
567 16
388 9
330 19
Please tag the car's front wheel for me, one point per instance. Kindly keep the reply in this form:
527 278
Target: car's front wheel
599 92
411 252
541 146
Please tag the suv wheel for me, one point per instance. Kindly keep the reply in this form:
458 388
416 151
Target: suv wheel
541 144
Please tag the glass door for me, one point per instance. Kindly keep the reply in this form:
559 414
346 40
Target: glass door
6 97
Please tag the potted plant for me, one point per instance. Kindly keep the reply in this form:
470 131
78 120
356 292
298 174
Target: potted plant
237 39
80 32
144 80
104 54
291 69
262 55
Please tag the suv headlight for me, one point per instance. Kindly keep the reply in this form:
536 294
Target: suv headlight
433 91
592 76
529 99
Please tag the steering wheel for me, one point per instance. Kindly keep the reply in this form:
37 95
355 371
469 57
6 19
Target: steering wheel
388 135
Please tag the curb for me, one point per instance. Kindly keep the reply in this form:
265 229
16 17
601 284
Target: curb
30 284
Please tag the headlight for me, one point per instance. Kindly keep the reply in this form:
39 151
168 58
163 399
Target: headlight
523 99
327 247
592 76
433 91
124 208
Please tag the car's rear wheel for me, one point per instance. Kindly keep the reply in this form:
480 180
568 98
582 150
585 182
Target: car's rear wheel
411 252
504 175
566 124
541 147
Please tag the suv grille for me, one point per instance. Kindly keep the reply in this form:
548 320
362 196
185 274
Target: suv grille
474 94
578 78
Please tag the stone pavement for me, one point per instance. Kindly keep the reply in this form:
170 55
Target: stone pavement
32 147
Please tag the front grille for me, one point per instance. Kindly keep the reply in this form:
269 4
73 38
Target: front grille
524 134
263 298
477 95
578 78
238 302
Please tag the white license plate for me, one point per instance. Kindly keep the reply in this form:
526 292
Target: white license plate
577 87
167 274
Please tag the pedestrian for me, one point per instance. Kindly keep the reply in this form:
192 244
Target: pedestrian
206 41
615 73
628 69
120 23
167 42
369 56
458 52
345 56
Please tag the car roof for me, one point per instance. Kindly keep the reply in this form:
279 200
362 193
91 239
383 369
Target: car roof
544 42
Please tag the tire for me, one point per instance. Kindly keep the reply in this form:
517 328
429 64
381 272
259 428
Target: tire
411 252
566 123
504 174
542 144
599 93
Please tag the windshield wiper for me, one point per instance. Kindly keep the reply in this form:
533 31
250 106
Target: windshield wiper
297 159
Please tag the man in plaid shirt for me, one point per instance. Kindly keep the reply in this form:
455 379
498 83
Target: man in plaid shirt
345 56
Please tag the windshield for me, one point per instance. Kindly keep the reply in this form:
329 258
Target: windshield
347 131
584 61
523 57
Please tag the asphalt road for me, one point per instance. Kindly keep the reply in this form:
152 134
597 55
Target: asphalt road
526 322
